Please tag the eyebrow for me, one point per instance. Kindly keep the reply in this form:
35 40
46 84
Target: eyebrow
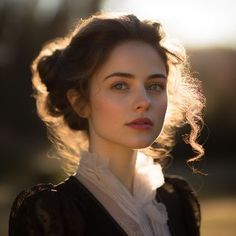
130 76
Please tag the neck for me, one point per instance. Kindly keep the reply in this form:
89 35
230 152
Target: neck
121 162
123 166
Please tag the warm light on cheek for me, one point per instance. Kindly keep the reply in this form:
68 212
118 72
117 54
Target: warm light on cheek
105 107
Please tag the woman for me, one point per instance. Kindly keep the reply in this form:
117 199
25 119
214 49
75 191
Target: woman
112 96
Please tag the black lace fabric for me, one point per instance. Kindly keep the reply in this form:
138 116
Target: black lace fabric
69 209
43 211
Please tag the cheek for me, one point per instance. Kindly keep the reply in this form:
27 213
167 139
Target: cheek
106 109
164 107
161 105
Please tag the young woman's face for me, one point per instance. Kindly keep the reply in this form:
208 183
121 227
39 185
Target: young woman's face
128 98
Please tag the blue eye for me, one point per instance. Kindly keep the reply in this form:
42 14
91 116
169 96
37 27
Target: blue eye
119 86
155 87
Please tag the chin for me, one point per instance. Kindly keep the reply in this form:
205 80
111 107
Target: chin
141 145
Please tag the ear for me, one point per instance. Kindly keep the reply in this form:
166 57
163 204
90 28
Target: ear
77 103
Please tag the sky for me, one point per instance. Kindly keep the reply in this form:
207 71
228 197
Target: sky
195 23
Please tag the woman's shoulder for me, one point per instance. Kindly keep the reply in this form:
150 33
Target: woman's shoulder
182 189
178 184
39 194
43 208
36 191
182 204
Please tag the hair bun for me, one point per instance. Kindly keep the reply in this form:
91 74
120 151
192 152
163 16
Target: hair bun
47 69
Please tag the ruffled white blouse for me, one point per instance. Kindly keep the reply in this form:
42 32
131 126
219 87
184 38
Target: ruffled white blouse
137 214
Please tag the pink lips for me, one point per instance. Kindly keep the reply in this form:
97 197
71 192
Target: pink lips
141 124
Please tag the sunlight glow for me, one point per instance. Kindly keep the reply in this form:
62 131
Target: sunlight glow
197 23
46 10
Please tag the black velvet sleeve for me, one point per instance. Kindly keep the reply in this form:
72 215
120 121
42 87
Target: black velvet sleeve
43 210
182 205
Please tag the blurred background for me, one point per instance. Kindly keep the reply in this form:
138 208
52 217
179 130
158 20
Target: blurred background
206 28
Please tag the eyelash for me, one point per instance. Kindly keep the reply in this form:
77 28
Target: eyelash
161 86
114 86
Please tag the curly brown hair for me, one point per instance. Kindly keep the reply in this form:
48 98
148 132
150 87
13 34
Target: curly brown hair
70 62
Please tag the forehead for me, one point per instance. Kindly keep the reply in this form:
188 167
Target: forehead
133 57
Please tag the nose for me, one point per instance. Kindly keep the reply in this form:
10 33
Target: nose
142 101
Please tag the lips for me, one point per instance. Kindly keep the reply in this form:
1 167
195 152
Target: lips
142 123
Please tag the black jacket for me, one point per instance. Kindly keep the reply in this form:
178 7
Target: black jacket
69 209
